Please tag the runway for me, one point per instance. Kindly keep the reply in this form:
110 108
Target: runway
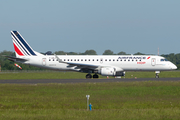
43 81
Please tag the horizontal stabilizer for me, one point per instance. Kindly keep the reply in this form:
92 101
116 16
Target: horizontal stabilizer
15 58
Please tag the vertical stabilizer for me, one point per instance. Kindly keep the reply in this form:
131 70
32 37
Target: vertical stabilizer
21 47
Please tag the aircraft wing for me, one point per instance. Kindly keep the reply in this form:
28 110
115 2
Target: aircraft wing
15 58
79 65
86 66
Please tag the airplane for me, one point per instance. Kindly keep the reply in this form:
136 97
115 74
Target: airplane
105 65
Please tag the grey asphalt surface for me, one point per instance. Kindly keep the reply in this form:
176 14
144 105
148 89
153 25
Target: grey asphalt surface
84 80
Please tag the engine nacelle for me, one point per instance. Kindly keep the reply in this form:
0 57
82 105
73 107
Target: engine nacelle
107 71
110 71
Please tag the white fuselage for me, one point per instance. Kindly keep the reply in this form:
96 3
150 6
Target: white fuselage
110 65
122 62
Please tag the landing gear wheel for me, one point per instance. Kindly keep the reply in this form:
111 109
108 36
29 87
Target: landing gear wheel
88 76
157 76
95 76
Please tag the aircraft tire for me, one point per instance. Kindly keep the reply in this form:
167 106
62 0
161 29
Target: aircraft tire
157 76
95 76
88 76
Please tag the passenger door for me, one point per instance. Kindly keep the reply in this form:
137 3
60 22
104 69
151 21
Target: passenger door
153 61
44 61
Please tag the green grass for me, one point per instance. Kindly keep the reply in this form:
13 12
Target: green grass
163 74
77 75
115 100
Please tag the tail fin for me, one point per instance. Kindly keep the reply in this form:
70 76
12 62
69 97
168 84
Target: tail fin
21 47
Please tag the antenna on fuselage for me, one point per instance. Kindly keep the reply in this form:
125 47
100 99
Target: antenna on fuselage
158 51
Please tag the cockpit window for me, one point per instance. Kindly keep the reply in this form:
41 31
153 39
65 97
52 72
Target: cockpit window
164 60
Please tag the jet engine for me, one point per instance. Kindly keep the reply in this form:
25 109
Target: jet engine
110 71
107 71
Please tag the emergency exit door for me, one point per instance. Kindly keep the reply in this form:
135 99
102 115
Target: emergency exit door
153 61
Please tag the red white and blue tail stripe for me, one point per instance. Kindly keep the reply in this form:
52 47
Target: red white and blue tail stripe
21 47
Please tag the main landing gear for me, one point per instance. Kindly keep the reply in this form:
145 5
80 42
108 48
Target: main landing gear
89 76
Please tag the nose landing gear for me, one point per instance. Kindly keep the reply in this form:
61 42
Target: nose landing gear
157 74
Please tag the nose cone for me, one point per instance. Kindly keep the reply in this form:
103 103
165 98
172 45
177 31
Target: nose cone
173 67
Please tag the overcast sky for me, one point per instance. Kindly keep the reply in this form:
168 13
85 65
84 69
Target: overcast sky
78 25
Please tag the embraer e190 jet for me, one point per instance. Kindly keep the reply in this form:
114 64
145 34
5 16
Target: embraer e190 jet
105 65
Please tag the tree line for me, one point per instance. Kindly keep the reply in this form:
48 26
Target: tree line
9 65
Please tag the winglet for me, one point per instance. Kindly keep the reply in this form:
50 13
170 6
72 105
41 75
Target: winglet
60 60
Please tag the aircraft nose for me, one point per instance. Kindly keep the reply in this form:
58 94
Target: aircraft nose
173 66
